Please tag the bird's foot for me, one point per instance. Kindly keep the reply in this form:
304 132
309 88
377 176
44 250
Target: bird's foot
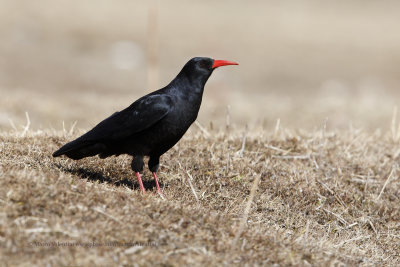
161 195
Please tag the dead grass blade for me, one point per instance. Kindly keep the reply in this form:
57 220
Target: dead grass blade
292 157
246 210
189 178
341 219
333 193
202 129
240 152
28 124
101 211
352 240
386 183
277 149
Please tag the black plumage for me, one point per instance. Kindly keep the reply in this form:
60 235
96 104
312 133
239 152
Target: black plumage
152 124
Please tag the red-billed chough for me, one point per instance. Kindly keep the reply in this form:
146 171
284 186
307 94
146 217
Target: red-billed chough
152 124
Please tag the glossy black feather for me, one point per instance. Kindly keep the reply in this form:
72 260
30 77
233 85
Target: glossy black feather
152 124
139 116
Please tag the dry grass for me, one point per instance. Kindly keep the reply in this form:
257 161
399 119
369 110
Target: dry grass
323 198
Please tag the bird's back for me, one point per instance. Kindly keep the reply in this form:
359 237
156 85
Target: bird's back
153 123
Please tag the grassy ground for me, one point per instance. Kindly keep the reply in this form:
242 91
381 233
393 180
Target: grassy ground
304 198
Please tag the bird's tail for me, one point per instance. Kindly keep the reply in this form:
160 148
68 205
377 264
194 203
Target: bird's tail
79 149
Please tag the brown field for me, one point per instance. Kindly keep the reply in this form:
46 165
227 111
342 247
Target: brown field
320 198
296 162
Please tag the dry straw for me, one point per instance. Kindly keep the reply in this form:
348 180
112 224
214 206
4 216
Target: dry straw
248 197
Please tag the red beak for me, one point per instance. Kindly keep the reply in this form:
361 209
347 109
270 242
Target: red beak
219 63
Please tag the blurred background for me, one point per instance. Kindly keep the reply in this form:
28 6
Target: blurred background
300 61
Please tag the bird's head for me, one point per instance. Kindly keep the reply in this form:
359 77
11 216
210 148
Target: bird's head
200 68
206 64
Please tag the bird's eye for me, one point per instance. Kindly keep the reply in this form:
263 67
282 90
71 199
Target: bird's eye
203 64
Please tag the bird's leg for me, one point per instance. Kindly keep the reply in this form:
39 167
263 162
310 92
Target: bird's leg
154 163
157 185
137 167
140 182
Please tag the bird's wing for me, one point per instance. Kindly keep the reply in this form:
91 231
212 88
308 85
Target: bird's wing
139 116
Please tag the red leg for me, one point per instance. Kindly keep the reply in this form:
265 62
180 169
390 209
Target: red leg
140 182
158 186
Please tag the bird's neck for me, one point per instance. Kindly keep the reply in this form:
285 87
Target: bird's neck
190 86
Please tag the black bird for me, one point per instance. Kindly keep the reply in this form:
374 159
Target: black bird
152 124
